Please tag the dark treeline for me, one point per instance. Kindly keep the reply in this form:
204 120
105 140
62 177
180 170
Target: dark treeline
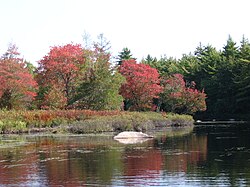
223 74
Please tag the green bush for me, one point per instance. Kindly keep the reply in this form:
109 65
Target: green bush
12 126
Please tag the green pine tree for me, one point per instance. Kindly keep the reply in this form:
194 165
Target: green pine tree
125 54
242 78
99 89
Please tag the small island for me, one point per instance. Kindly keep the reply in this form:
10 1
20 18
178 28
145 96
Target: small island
80 90
87 121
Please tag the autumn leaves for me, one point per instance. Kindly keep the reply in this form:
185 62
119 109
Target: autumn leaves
71 76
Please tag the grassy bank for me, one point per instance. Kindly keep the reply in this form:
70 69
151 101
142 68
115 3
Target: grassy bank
86 121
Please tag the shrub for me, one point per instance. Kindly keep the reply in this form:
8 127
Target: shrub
180 120
90 126
86 121
179 96
12 126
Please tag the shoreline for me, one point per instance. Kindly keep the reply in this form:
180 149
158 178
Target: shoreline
85 122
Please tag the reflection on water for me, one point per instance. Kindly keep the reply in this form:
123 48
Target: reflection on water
132 140
208 156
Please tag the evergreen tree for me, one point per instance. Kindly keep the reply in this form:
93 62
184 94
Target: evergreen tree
165 66
149 60
205 74
244 50
226 97
230 51
242 78
99 89
125 54
188 65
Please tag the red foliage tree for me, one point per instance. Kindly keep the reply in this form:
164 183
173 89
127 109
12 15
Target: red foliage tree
142 84
17 86
180 97
61 67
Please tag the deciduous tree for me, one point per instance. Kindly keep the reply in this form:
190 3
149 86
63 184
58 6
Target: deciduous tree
142 84
61 67
17 86
180 97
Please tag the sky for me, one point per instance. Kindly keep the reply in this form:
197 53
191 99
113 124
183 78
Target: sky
155 27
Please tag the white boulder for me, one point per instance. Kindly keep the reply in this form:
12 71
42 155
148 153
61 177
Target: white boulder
131 134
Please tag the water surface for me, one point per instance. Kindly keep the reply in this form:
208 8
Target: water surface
210 155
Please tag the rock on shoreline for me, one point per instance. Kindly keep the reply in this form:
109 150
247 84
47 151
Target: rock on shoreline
132 134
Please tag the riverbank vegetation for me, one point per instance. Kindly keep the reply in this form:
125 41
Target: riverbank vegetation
72 83
87 121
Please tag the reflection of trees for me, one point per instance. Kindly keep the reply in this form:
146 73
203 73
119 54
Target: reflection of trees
16 166
76 161
176 154
145 164
60 161
79 162
183 153
142 162
228 154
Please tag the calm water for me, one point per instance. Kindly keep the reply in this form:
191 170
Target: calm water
217 155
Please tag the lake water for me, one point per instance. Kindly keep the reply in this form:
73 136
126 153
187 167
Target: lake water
210 155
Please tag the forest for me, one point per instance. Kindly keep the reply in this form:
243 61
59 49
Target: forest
208 83
224 75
